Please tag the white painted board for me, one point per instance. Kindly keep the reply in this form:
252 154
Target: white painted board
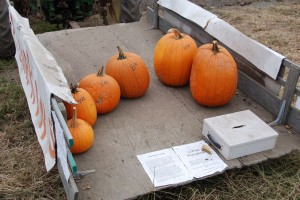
259 55
298 102
189 11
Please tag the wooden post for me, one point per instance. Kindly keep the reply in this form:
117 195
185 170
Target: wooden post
155 21
289 89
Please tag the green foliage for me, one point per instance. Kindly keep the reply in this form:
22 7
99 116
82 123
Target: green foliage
41 26
6 64
13 104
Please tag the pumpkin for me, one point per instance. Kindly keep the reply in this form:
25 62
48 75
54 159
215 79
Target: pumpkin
214 75
173 57
104 90
131 72
86 107
82 133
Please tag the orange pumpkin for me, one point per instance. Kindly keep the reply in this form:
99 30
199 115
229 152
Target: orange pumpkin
104 90
173 57
86 107
131 72
214 75
82 133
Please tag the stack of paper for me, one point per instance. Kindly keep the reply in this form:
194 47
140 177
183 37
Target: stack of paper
181 163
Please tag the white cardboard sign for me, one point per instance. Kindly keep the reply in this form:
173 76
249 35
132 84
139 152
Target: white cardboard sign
40 77
189 11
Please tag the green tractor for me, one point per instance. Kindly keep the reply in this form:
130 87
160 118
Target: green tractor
63 11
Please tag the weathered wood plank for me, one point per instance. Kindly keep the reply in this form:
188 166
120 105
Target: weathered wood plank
171 19
286 143
74 24
253 159
69 185
259 93
71 162
203 37
62 122
289 90
162 118
266 97
67 135
294 119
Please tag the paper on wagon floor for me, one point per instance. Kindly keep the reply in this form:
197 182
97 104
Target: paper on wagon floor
180 164
164 168
200 163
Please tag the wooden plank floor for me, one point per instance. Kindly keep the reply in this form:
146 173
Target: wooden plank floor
162 118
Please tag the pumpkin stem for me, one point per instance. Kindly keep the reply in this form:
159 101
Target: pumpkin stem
215 46
176 32
121 54
101 70
74 88
74 117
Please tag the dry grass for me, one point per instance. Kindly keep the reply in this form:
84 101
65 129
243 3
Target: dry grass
276 24
274 179
22 171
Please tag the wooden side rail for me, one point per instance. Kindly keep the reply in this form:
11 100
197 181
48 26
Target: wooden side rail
252 81
69 185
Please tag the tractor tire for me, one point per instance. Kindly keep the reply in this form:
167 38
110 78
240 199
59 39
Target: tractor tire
7 45
130 11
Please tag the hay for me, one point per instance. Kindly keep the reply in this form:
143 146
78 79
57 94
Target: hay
22 170
274 24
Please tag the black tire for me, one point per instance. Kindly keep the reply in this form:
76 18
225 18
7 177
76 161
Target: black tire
130 11
7 45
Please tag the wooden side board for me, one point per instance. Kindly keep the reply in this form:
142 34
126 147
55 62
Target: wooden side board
69 185
251 80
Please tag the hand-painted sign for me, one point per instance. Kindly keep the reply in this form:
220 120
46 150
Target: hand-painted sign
41 77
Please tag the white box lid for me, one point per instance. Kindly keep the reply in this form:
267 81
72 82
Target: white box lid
240 128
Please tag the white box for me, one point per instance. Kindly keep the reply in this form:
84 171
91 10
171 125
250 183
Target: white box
239 134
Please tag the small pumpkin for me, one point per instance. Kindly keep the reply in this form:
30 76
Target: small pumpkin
173 57
214 75
86 107
104 90
82 133
131 73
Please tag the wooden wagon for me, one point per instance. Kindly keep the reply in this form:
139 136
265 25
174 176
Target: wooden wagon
164 116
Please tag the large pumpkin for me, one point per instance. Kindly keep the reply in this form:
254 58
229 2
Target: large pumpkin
82 133
173 57
86 108
131 72
214 76
104 90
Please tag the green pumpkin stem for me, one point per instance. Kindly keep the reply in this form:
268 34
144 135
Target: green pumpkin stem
215 47
101 71
74 117
121 54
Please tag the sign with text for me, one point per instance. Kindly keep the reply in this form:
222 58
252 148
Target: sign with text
40 77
